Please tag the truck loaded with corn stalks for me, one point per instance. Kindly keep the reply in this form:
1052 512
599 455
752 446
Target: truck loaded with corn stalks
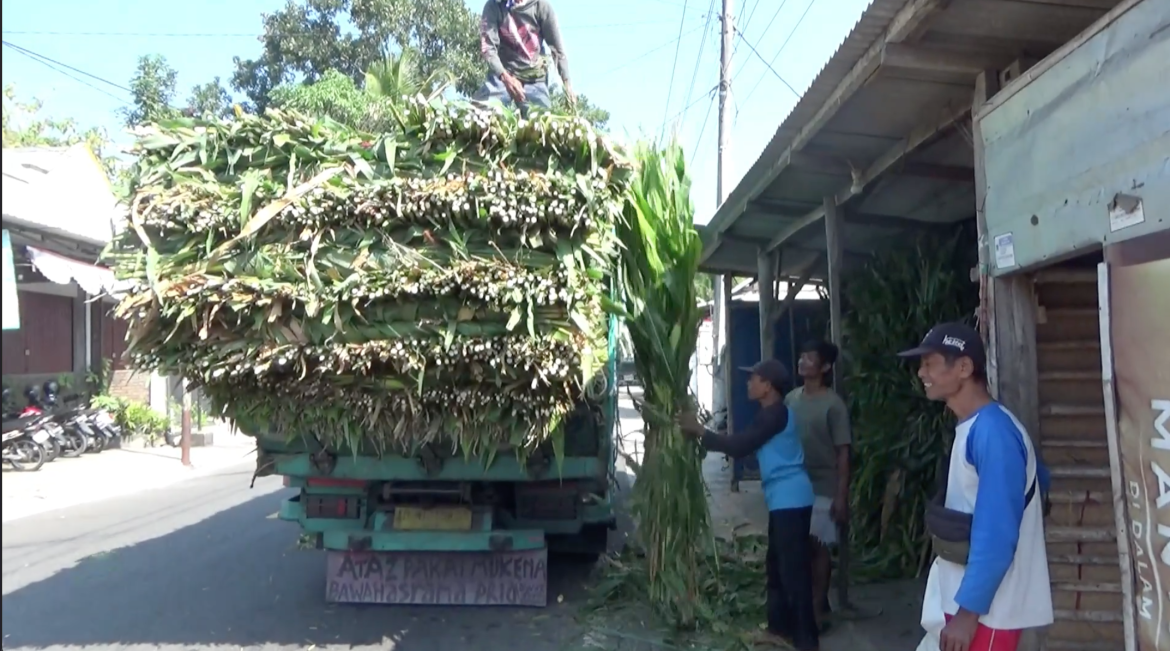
413 325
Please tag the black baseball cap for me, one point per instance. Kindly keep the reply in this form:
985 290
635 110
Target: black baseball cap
953 340
771 370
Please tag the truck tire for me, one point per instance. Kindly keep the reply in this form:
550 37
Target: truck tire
588 545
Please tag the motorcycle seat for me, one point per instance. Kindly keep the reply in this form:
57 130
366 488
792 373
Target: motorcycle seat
18 423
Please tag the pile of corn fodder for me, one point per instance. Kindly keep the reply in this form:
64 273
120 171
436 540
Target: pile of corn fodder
442 283
900 437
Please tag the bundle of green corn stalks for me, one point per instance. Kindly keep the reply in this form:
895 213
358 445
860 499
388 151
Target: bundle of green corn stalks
439 283
899 435
659 260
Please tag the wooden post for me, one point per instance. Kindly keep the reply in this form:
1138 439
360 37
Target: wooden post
986 85
835 250
185 430
767 271
728 371
1120 508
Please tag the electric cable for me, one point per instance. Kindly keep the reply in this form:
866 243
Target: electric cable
55 65
781 50
673 69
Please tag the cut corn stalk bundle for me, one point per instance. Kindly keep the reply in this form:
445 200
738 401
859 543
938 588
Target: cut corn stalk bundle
659 260
441 283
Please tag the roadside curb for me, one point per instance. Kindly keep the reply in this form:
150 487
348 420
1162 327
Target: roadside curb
37 506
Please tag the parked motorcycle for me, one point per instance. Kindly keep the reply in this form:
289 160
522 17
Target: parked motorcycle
68 433
98 427
23 441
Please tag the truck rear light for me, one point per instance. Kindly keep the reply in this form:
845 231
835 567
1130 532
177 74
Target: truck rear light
549 500
332 482
332 507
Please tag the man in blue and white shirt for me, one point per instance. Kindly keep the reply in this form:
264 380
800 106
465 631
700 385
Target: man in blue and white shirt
994 475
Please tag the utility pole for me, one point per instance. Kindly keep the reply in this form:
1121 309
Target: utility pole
720 303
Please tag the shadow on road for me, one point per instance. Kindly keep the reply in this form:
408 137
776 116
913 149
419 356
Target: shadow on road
236 578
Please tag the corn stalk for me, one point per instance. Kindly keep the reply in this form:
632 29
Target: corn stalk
441 282
659 260
899 435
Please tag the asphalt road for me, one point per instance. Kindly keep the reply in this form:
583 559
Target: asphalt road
206 563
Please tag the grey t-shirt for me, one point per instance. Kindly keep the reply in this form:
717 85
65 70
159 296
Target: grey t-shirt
510 39
823 423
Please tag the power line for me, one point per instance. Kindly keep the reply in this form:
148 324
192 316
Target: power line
673 68
57 65
751 12
569 27
757 53
647 53
699 56
767 27
702 130
782 46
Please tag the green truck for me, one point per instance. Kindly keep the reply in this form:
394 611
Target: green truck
438 528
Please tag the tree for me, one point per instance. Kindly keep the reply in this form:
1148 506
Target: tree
399 76
153 89
336 96
209 100
25 126
560 103
303 41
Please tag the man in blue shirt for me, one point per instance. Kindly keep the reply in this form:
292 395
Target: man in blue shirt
983 599
773 438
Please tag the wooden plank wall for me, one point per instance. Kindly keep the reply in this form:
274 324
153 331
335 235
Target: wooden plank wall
1082 547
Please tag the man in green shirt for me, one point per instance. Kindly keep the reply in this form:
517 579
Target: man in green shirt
823 421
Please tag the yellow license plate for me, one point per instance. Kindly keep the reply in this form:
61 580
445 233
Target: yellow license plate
440 518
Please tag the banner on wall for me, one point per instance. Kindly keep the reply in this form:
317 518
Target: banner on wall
10 305
1139 335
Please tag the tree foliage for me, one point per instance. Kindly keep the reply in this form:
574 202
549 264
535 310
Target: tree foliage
154 86
431 44
24 125
335 95
303 41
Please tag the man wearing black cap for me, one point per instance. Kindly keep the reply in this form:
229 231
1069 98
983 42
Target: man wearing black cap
773 438
990 580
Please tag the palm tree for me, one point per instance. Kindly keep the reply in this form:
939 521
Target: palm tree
398 76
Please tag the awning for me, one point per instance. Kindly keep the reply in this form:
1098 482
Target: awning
62 270
11 307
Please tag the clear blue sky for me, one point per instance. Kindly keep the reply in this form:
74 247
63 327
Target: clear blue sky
621 53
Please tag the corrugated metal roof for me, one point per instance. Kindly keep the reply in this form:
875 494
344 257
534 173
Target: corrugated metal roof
60 190
873 23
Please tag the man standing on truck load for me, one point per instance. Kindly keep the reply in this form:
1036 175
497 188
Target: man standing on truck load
773 438
990 579
510 35
823 422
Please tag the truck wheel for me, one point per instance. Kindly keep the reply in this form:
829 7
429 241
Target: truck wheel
588 545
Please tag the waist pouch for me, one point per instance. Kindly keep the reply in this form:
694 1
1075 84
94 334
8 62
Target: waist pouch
950 530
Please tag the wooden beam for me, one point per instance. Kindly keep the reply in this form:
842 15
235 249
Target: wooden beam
903 25
794 287
826 163
925 132
768 263
787 211
1015 69
1050 61
925 59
